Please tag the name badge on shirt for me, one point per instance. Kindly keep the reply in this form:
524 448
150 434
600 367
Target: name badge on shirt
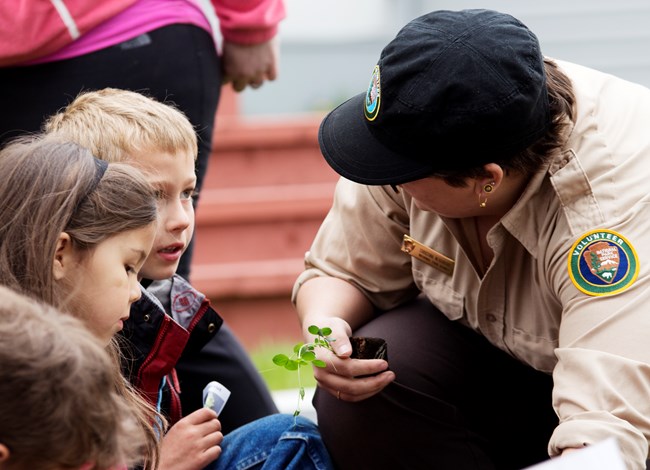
427 255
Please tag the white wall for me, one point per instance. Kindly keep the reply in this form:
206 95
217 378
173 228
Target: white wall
328 48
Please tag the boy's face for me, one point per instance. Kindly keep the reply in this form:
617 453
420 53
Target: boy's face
173 177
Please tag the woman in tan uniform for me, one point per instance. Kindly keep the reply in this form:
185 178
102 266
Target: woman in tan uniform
492 224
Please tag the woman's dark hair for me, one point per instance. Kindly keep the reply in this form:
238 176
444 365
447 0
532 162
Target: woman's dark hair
561 105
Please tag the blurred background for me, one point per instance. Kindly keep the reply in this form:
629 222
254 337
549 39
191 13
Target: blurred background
329 48
268 188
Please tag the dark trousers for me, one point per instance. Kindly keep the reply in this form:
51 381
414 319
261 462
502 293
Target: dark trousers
224 359
177 63
457 402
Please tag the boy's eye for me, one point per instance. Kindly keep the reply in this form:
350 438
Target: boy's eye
130 269
188 194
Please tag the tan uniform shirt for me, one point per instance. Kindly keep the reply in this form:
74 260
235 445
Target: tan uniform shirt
596 346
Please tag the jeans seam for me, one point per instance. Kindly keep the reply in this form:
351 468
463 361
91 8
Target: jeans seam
252 461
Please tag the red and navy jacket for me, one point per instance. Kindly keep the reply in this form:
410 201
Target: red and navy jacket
158 333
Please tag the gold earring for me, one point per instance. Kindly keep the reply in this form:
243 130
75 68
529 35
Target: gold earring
488 188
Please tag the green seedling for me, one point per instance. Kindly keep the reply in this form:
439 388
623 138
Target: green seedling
303 355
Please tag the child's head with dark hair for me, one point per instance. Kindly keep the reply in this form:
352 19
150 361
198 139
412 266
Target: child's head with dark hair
50 188
58 407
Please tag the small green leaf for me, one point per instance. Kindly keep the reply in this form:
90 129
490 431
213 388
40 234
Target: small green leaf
297 347
326 331
308 356
319 363
291 365
280 359
296 413
313 329
302 393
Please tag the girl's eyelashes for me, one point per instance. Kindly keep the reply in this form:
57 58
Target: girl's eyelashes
130 269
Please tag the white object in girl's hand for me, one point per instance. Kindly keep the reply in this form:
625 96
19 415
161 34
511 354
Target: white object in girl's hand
215 396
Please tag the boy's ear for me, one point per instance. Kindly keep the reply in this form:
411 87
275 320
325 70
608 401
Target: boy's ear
63 257
4 453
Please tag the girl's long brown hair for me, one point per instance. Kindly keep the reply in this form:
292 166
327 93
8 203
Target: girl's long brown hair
51 187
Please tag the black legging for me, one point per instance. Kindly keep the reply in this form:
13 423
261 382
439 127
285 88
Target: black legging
176 63
457 402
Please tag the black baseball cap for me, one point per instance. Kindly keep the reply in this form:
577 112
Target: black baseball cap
454 90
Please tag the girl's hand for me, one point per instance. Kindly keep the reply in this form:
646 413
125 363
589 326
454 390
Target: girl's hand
193 442
339 377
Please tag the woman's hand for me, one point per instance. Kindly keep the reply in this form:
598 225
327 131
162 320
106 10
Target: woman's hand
193 442
339 377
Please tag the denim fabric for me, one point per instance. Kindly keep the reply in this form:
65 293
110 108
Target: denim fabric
276 442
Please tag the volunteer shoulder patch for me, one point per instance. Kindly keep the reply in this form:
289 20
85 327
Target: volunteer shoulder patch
603 262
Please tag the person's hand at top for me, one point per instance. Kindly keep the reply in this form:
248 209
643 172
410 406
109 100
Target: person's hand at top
249 64
193 442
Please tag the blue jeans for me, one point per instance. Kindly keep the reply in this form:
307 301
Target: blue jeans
275 442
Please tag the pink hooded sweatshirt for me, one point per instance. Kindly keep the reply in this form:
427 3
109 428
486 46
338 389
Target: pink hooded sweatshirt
34 29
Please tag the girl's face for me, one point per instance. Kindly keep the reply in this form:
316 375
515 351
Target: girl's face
101 286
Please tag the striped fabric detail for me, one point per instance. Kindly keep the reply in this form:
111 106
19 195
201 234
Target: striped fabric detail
210 15
66 17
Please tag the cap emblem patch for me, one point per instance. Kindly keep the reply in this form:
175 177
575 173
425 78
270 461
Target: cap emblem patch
373 96
602 262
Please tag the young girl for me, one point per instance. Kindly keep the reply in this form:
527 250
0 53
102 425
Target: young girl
74 232
56 407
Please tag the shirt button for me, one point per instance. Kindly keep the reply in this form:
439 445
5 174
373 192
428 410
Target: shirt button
491 318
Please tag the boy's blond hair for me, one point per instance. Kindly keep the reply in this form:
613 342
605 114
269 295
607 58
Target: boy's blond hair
115 124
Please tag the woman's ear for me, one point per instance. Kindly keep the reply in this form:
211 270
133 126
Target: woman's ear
4 454
491 179
63 256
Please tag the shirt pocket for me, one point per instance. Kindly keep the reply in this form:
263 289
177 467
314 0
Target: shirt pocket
538 352
439 292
